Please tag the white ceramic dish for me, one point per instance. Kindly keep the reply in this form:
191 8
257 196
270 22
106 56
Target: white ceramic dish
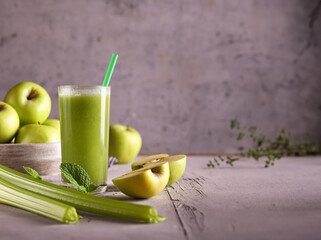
45 158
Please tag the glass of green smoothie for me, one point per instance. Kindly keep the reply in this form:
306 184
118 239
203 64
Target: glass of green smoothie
84 121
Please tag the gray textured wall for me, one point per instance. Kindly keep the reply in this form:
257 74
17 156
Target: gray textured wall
185 67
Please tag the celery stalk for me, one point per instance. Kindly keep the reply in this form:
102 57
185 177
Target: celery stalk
36 203
82 201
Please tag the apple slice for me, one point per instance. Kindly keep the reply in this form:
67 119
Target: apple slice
145 182
177 164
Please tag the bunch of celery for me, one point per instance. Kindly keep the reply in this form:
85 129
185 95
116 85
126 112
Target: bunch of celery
58 202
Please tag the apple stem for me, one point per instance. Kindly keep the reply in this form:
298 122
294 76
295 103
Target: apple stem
33 94
2 107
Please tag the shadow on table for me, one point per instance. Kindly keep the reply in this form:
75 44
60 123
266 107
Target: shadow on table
113 192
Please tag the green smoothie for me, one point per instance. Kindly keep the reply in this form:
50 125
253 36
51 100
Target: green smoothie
84 119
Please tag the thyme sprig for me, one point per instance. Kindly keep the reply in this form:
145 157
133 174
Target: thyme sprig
271 149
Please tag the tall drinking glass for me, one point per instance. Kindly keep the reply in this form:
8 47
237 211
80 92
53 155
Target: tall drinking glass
84 122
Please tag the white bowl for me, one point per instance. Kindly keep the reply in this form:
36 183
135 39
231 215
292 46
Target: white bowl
45 158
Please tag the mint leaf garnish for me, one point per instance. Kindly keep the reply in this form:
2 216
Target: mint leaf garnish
32 173
78 177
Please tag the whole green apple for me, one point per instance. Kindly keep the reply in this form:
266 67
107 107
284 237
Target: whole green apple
9 122
36 133
177 165
31 101
53 123
124 143
145 182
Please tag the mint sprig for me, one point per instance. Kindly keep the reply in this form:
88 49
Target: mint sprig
78 177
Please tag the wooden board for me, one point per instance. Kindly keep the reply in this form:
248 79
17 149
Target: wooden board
244 202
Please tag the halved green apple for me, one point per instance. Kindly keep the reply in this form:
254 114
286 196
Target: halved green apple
177 165
145 182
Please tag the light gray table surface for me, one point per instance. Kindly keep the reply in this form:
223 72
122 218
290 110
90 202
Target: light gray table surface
246 201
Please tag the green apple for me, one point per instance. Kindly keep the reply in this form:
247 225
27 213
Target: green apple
9 123
31 101
124 143
36 133
53 123
177 165
145 182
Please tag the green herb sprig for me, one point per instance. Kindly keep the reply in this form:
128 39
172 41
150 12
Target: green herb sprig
74 173
271 149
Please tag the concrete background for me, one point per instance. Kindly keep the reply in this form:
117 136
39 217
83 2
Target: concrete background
185 67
